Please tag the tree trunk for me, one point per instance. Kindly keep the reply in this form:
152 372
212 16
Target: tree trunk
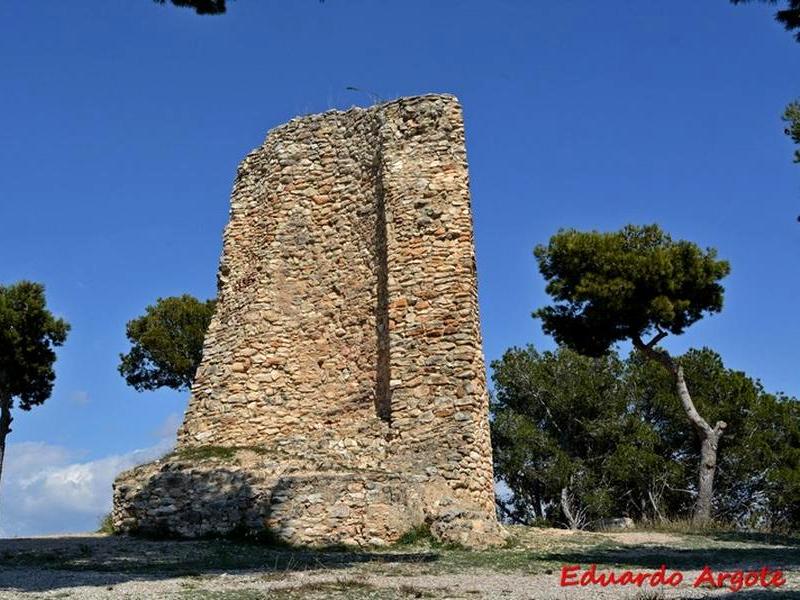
705 485
709 441
573 515
709 438
5 428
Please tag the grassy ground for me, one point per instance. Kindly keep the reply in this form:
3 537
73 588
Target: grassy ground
529 567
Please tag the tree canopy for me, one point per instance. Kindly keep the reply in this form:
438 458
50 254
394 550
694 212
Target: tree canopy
760 443
789 17
166 343
28 335
627 284
610 432
622 285
566 441
201 7
792 119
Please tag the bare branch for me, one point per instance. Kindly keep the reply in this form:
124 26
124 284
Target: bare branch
657 338
688 406
660 356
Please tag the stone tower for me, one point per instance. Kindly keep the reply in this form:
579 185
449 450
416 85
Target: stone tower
342 393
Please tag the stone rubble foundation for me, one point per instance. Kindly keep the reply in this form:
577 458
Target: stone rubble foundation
208 498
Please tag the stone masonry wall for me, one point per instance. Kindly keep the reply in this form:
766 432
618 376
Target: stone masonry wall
346 335
290 358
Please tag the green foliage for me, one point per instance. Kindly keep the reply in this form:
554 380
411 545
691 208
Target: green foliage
107 525
220 453
562 420
764 465
166 343
789 17
200 453
792 117
759 455
201 7
420 534
612 432
28 335
622 285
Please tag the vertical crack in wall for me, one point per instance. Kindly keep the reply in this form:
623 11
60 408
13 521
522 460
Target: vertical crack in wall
383 392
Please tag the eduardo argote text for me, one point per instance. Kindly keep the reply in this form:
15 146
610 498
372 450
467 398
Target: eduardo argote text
766 577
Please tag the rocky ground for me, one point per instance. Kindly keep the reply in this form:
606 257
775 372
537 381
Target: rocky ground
96 566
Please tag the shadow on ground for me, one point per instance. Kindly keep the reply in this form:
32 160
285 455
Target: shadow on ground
107 561
760 595
652 557
46 564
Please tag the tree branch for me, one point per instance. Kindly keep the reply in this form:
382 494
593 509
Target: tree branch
657 338
688 406
504 510
676 371
649 351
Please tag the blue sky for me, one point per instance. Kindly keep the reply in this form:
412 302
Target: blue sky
121 125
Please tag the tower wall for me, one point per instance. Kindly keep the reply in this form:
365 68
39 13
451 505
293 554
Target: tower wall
346 337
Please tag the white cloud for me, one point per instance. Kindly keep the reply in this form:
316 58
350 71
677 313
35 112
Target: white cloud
47 489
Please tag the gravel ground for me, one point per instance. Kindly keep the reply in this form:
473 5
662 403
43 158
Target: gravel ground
91 566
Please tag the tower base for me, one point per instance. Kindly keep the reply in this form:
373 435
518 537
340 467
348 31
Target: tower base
241 492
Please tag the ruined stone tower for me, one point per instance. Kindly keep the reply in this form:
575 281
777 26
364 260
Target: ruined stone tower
342 393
